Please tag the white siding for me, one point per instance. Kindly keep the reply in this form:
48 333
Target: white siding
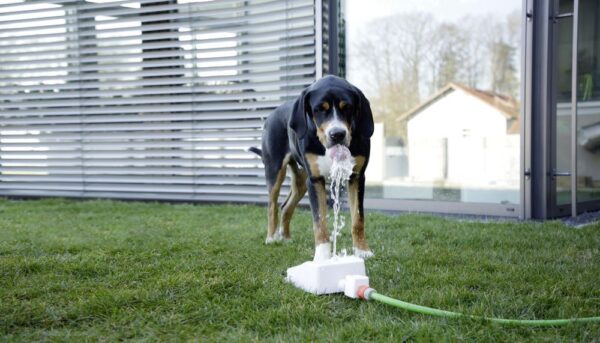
461 140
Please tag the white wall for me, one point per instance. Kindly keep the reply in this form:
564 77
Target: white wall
492 160
454 113
376 169
460 139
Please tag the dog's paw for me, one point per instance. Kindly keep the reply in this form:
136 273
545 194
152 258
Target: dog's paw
364 254
278 237
272 239
322 252
275 238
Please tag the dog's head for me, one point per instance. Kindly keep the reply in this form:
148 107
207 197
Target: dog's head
333 107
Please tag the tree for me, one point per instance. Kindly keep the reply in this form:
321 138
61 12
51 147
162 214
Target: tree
393 51
503 56
411 56
503 71
446 57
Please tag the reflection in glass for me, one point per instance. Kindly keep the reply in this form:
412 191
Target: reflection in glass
562 127
443 79
588 102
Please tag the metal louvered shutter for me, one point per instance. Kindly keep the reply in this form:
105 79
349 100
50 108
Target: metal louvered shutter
146 99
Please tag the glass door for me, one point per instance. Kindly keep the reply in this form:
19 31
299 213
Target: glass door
576 108
444 81
588 106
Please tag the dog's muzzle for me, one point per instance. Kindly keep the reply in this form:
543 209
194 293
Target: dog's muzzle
337 133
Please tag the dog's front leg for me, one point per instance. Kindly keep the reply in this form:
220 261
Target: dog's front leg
318 205
356 194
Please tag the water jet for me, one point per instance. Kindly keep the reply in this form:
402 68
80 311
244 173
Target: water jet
331 275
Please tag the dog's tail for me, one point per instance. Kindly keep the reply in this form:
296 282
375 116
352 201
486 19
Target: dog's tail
255 150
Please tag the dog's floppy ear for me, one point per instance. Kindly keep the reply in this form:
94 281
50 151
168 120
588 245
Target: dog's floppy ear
298 119
363 122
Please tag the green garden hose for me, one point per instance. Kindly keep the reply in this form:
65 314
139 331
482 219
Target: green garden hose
369 293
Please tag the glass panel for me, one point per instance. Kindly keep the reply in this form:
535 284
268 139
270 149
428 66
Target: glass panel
443 78
564 47
588 102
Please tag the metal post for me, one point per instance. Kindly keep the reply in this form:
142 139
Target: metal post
334 58
525 116
318 39
541 77
574 110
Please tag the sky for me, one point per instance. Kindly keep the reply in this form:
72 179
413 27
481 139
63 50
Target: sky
360 12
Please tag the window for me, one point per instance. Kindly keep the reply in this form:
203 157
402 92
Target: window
443 79
146 99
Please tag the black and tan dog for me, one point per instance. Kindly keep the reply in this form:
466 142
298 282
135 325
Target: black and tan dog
331 111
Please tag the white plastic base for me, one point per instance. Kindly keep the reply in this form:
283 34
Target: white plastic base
323 277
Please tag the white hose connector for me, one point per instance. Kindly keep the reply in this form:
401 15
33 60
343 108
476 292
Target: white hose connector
364 292
352 283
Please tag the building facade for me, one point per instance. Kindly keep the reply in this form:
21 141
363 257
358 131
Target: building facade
158 99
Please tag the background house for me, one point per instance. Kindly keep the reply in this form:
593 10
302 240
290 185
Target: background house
463 140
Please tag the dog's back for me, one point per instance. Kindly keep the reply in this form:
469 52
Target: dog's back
275 139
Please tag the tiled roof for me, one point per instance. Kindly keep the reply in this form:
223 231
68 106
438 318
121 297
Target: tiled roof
505 104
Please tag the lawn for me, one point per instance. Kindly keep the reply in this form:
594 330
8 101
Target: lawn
108 270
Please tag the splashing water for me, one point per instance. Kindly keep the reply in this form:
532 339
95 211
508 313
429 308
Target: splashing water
340 172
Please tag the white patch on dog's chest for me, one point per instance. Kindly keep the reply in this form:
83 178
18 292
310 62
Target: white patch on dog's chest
324 164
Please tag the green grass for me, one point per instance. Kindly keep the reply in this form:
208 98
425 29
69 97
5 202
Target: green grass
107 271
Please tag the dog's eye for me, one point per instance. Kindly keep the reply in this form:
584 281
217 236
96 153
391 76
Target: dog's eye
324 106
344 106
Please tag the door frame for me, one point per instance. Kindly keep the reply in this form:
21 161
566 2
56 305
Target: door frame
540 113
538 100
539 129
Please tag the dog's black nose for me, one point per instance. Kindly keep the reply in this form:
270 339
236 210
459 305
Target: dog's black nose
337 135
